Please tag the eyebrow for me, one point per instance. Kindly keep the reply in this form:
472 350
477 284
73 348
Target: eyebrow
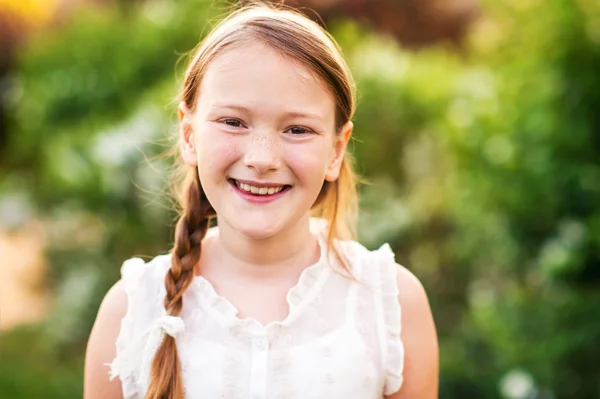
293 114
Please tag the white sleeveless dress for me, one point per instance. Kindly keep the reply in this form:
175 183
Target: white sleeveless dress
340 340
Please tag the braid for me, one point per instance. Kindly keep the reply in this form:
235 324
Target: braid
165 381
191 229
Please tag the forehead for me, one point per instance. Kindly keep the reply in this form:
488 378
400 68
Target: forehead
259 77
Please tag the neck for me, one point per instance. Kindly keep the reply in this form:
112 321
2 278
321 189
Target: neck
293 248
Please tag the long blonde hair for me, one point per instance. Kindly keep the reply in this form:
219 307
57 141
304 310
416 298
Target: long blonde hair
300 40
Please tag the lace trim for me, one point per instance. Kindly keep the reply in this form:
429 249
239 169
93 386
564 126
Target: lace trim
394 356
298 297
129 348
124 364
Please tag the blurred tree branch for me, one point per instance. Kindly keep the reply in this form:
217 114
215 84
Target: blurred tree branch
414 23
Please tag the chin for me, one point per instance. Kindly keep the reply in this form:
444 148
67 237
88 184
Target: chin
259 229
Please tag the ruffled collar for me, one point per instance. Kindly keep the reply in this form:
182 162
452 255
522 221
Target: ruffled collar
309 284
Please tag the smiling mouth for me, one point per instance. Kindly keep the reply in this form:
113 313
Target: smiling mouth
264 190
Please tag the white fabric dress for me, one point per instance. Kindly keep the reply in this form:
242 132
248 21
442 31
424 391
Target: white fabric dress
340 340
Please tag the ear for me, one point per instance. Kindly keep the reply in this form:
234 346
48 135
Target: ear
341 142
187 146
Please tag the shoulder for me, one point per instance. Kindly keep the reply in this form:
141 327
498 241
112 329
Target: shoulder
368 265
136 275
412 358
143 284
108 320
101 345
410 290
140 282
138 287
419 338
143 281
136 271
113 306
411 293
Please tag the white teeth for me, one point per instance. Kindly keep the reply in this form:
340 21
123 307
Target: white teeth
258 190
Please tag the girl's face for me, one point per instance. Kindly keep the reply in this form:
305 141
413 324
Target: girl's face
263 138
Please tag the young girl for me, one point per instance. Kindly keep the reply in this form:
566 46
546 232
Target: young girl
271 303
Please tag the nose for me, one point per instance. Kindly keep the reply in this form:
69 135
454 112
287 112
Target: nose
262 153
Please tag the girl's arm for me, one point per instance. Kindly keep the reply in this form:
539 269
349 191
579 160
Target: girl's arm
101 346
421 359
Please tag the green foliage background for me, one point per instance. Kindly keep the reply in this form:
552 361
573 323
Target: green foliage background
484 170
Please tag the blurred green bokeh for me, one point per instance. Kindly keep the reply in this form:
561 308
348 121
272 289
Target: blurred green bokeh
484 172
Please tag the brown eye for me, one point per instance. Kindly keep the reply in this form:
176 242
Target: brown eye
298 130
232 122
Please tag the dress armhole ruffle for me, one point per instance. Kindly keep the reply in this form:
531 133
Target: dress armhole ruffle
125 363
393 359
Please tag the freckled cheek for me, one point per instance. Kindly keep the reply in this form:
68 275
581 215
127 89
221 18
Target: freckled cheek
217 151
308 164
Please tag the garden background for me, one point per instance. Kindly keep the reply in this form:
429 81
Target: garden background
478 130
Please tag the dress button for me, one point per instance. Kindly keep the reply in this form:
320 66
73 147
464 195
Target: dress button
329 379
260 345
